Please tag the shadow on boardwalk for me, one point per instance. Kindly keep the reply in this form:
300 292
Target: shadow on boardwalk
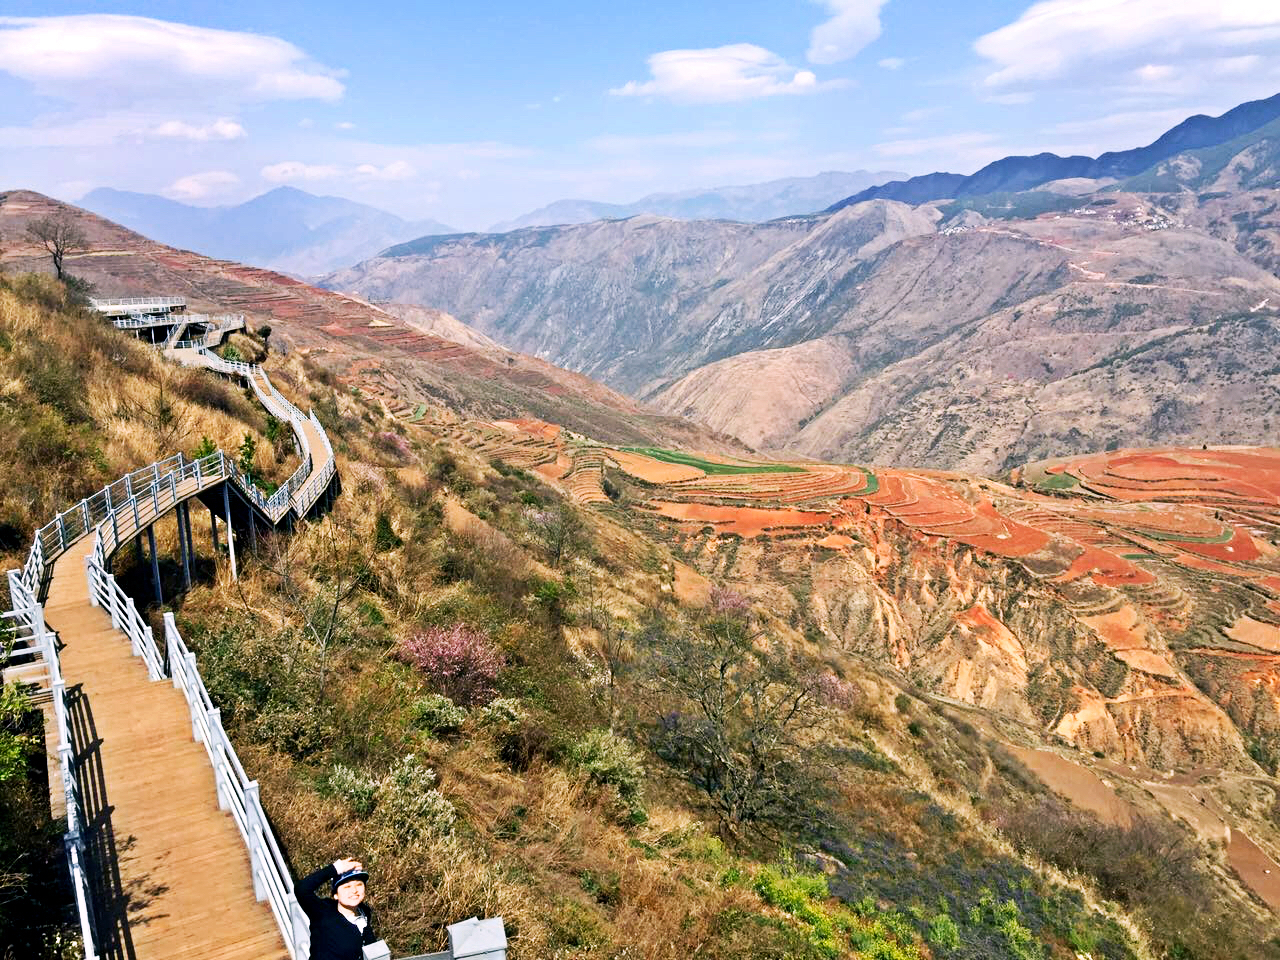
115 908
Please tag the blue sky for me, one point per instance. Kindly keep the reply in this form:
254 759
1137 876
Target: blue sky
473 113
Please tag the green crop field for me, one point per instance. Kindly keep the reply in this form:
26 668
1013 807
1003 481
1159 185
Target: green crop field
708 467
1057 481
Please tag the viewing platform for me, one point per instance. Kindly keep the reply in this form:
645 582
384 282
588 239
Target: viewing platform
139 306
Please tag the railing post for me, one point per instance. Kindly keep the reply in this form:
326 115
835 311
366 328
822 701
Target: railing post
88 575
253 825
62 532
213 717
84 512
112 601
155 561
231 537
155 669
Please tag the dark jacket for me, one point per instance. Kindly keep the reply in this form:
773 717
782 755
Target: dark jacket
333 936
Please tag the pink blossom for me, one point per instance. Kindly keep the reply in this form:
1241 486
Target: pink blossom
460 662
830 690
724 600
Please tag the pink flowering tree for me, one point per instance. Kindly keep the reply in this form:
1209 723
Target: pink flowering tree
460 662
729 602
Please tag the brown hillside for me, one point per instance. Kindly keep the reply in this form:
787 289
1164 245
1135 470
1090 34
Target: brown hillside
367 348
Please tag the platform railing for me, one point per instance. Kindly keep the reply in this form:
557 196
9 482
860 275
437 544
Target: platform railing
29 614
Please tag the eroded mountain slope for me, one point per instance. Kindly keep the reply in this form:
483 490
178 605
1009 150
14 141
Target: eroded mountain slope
887 334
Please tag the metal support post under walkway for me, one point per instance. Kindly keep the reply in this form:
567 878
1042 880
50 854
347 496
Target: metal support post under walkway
231 537
155 562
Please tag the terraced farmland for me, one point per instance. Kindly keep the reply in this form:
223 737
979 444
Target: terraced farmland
1161 569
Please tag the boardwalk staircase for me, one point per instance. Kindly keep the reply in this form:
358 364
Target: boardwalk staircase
169 852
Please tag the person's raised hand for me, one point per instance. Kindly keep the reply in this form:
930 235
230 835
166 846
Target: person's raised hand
344 866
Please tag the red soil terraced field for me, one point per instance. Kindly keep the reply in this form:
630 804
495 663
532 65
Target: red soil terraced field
743 521
1131 572
1235 477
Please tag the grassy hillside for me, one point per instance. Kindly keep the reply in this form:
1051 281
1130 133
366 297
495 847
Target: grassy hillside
504 703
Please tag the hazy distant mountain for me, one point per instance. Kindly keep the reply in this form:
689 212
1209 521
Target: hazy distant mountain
1010 174
285 229
753 203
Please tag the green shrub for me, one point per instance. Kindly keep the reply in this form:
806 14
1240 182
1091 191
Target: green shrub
384 535
437 714
609 760
295 731
357 790
409 807
943 932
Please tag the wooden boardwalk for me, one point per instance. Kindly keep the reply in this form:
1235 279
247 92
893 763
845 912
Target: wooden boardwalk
171 871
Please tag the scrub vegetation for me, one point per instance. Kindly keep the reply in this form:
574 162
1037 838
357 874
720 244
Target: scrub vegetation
494 698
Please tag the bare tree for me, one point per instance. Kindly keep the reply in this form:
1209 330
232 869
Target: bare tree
161 418
738 714
60 236
320 611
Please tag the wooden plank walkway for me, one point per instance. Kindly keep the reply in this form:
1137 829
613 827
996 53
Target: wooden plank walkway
171 871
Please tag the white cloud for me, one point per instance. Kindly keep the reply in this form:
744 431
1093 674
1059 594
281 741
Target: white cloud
115 60
396 170
1127 42
740 71
294 171
201 186
853 25
344 125
1149 122
891 63
224 128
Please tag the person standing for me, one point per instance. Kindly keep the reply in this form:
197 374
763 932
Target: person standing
341 925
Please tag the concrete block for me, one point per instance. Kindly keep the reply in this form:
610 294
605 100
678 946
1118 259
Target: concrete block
486 939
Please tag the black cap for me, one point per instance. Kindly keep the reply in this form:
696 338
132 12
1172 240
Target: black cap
347 877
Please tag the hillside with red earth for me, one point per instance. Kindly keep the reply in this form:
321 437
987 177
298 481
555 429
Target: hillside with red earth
1127 603
406 363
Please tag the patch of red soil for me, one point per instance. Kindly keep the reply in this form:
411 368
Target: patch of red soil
1077 783
556 469
1255 868
1264 636
744 521
1239 549
1106 568
1199 563
836 541
653 471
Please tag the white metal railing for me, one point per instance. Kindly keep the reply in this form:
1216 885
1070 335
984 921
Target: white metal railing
239 795
28 613
113 304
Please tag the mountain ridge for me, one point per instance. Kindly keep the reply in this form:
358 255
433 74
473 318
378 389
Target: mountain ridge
751 203
285 228
1015 173
970 334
